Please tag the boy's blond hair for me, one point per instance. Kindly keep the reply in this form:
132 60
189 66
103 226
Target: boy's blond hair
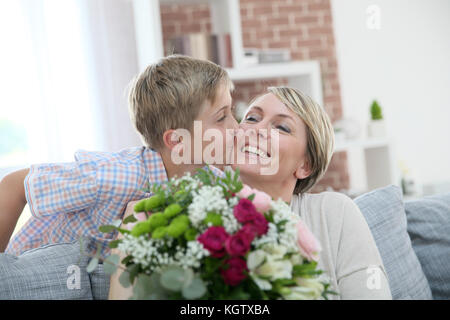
319 133
170 94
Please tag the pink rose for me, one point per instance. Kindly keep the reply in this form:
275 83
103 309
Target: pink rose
307 242
244 210
258 224
235 271
245 192
261 201
239 243
213 240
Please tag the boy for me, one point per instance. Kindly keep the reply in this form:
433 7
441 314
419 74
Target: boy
69 200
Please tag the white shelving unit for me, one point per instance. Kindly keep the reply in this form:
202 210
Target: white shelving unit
377 159
304 75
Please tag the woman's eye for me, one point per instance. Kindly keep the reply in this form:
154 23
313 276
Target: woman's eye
250 118
283 128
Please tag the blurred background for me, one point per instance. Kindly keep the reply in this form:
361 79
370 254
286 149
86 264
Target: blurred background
380 68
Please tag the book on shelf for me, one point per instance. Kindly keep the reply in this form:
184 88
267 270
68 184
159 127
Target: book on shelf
212 47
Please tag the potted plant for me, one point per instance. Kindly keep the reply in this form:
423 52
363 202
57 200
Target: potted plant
377 127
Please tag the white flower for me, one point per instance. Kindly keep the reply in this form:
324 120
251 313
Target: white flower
275 269
296 259
276 251
255 259
270 237
261 283
309 288
206 199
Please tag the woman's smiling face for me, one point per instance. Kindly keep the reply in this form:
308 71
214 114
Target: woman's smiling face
269 113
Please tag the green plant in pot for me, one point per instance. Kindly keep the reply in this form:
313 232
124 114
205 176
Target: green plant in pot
376 127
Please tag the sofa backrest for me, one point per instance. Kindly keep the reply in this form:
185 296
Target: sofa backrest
429 229
385 214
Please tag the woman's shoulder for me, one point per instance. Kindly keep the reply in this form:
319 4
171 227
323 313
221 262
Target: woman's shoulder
326 198
328 205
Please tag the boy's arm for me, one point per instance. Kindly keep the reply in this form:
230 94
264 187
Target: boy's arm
12 202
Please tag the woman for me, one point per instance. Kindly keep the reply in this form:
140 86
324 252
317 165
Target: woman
349 255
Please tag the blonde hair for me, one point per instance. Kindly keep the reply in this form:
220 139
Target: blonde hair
170 94
319 133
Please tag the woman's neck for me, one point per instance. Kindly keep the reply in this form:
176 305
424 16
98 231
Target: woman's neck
276 189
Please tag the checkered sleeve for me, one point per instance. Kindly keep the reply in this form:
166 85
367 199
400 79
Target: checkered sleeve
61 187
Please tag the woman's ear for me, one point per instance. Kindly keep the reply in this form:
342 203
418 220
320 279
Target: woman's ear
303 171
171 139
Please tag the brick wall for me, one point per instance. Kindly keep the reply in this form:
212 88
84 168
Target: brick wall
303 26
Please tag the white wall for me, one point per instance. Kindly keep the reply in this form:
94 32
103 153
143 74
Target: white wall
405 65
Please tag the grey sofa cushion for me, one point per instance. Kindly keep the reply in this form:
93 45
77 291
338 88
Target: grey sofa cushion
384 212
99 283
429 230
52 272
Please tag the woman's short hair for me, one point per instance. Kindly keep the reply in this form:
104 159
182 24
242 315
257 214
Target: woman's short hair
319 133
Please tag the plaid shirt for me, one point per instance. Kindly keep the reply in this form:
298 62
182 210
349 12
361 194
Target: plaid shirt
70 200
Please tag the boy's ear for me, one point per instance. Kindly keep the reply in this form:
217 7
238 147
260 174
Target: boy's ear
303 171
171 139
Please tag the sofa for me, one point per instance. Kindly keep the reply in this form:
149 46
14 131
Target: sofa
413 238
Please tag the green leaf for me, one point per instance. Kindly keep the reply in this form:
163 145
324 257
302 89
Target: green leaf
149 287
239 294
124 279
134 271
110 264
92 265
130 219
126 260
173 278
142 286
306 269
195 290
107 228
114 243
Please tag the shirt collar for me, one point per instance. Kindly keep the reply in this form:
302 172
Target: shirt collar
154 166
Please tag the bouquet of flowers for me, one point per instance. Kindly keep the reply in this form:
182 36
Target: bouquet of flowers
209 237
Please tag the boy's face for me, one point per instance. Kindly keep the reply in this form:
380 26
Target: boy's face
217 130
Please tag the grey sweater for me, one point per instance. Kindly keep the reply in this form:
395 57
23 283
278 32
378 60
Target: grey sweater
349 255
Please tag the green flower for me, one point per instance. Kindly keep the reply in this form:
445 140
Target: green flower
190 234
140 228
153 202
172 210
159 233
182 218
157 220
140 206
213 218
178 226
